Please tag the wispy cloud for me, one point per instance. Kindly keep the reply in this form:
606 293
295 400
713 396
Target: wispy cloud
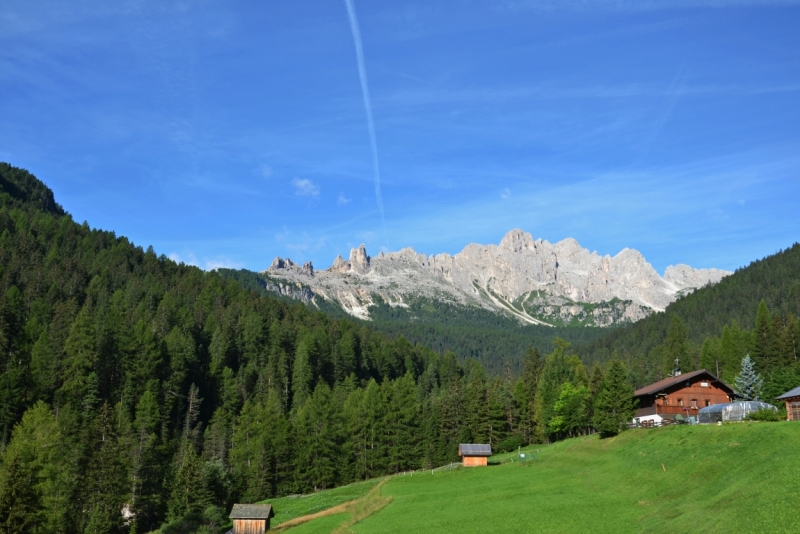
265 171
505 193
342 200
303 187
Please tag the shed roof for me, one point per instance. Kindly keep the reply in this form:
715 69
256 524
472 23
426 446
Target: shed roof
791 393
474 449
252 511
674 380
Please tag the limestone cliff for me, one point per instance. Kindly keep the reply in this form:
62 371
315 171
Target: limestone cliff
531 279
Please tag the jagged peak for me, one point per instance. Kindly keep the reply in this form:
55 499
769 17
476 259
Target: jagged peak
516 240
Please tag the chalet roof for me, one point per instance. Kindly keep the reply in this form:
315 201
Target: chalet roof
673 380
252 511
474 449
791 393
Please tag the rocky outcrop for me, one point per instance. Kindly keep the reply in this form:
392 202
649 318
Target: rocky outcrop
279 264
531 279
359 261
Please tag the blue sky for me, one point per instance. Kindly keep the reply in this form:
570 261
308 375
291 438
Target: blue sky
228 133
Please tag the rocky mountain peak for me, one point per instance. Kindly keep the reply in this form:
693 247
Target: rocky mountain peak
359 261
531 279
279 264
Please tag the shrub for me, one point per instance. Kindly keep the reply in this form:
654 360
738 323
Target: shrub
767 415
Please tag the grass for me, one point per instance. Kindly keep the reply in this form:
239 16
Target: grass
294 506
733 478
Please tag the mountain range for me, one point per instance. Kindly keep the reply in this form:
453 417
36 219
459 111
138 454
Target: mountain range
529 279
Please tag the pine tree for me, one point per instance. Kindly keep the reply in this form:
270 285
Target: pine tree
595 385
677 344
318 440
402 425
19 500
748 383
81 358
189 495
303 372
763 354
105 481
615 404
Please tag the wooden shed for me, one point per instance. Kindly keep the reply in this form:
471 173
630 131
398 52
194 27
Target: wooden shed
792 398
474 454
251 518
681 394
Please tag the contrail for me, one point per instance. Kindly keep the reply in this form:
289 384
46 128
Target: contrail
362 74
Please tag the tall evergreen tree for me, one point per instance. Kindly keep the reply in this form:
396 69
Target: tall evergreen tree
677 345
748 382
19 500
614 406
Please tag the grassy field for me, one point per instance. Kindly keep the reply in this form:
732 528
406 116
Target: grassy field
293 506
732 478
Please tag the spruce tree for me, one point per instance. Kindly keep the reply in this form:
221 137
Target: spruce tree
748 383
763 353
677 344
19 500
614 406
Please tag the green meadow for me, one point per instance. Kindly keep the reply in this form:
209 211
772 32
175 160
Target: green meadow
733 478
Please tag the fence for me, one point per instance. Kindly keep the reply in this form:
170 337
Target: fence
649 423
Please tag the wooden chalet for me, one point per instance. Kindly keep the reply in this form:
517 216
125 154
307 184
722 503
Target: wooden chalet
681 394
792 398
251 518
474 455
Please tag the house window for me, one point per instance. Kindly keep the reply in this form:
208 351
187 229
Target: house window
666 401
680 402
708 402
694 403
704 384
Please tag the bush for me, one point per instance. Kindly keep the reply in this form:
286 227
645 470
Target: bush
767 415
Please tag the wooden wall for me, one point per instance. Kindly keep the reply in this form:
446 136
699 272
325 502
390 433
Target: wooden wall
475 461
249 526
793 409
680 392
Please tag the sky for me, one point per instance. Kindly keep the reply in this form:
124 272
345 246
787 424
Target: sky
225 134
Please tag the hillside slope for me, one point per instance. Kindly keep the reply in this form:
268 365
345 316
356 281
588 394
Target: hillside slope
470 332
775 279
680 479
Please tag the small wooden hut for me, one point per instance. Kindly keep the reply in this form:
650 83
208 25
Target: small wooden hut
474 454
792 398
251 518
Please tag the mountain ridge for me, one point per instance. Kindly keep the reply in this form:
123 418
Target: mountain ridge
530 279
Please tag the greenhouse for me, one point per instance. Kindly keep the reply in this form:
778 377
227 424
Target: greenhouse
731 411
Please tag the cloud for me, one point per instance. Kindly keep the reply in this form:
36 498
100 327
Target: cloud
303 187
207 264
221 263
342 200
188 259
505 194
265 171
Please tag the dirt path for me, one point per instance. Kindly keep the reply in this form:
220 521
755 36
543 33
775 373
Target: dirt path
339 508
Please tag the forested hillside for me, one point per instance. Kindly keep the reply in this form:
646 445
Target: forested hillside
136 392
754 311
491 338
